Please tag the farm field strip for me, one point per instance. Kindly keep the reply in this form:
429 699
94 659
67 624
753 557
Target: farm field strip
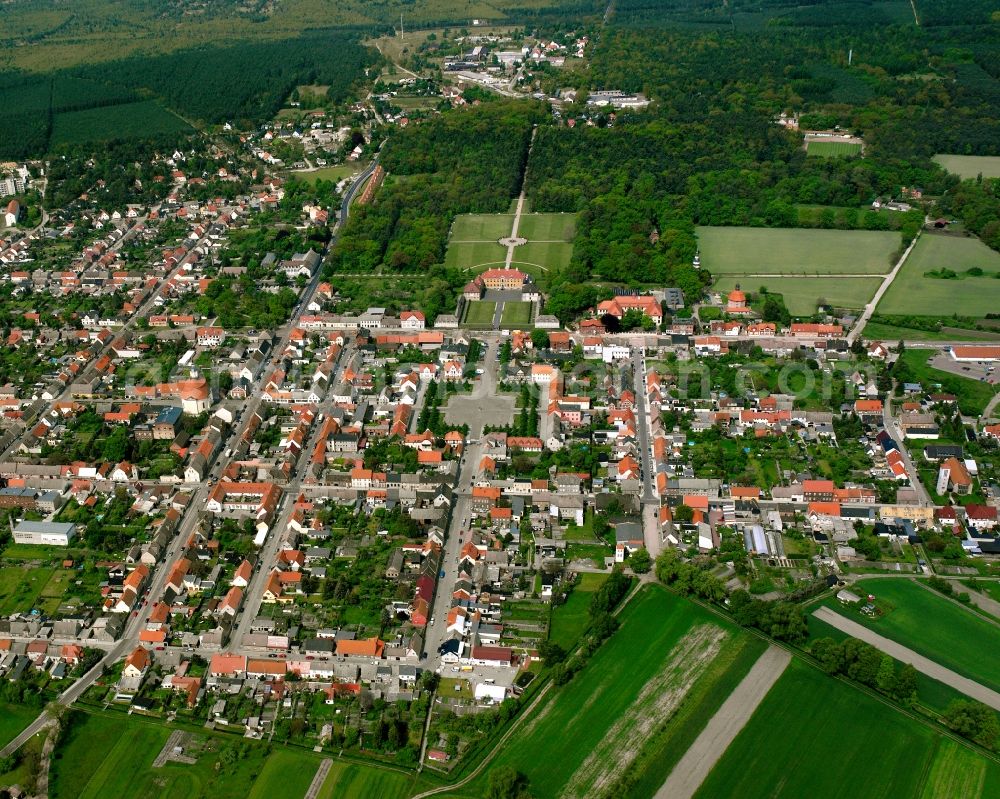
903 654
912 292
724 726
817 736
655 703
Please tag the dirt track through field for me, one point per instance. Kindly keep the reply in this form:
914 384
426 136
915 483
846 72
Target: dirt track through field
724 726
660 697
925 665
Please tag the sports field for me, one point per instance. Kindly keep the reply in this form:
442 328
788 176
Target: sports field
959 639
971 166
516 314
803 294
795 251
818 737
569 620
480 312
912 292
619 725
832 149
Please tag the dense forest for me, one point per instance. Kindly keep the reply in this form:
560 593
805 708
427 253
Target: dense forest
243 82
467 161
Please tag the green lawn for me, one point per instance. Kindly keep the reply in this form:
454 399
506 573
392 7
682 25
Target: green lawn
912 292
13 719
334 173
971 166
958 639
619 725
547 227
468 255
547 255
832 149
802 294
569 620
795 251
481 227
480 312
818 737
516 314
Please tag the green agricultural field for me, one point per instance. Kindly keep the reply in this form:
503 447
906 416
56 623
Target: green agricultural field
802 294
334 173
816 736
13 719
959 639
794 251
547 227
832 149
480 313
516 314
481 227
569 620
285 773
971 166
146 118
623 721
913 292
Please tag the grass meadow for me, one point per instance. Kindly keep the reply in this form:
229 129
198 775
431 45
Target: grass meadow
105 756
959 639
333 173
971 166
912 292
801 294
796 251
569 620
819 737
13 719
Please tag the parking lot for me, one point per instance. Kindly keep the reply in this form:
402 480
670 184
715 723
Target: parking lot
984 371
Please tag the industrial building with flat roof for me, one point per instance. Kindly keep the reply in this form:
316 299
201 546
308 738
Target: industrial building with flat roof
51 533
